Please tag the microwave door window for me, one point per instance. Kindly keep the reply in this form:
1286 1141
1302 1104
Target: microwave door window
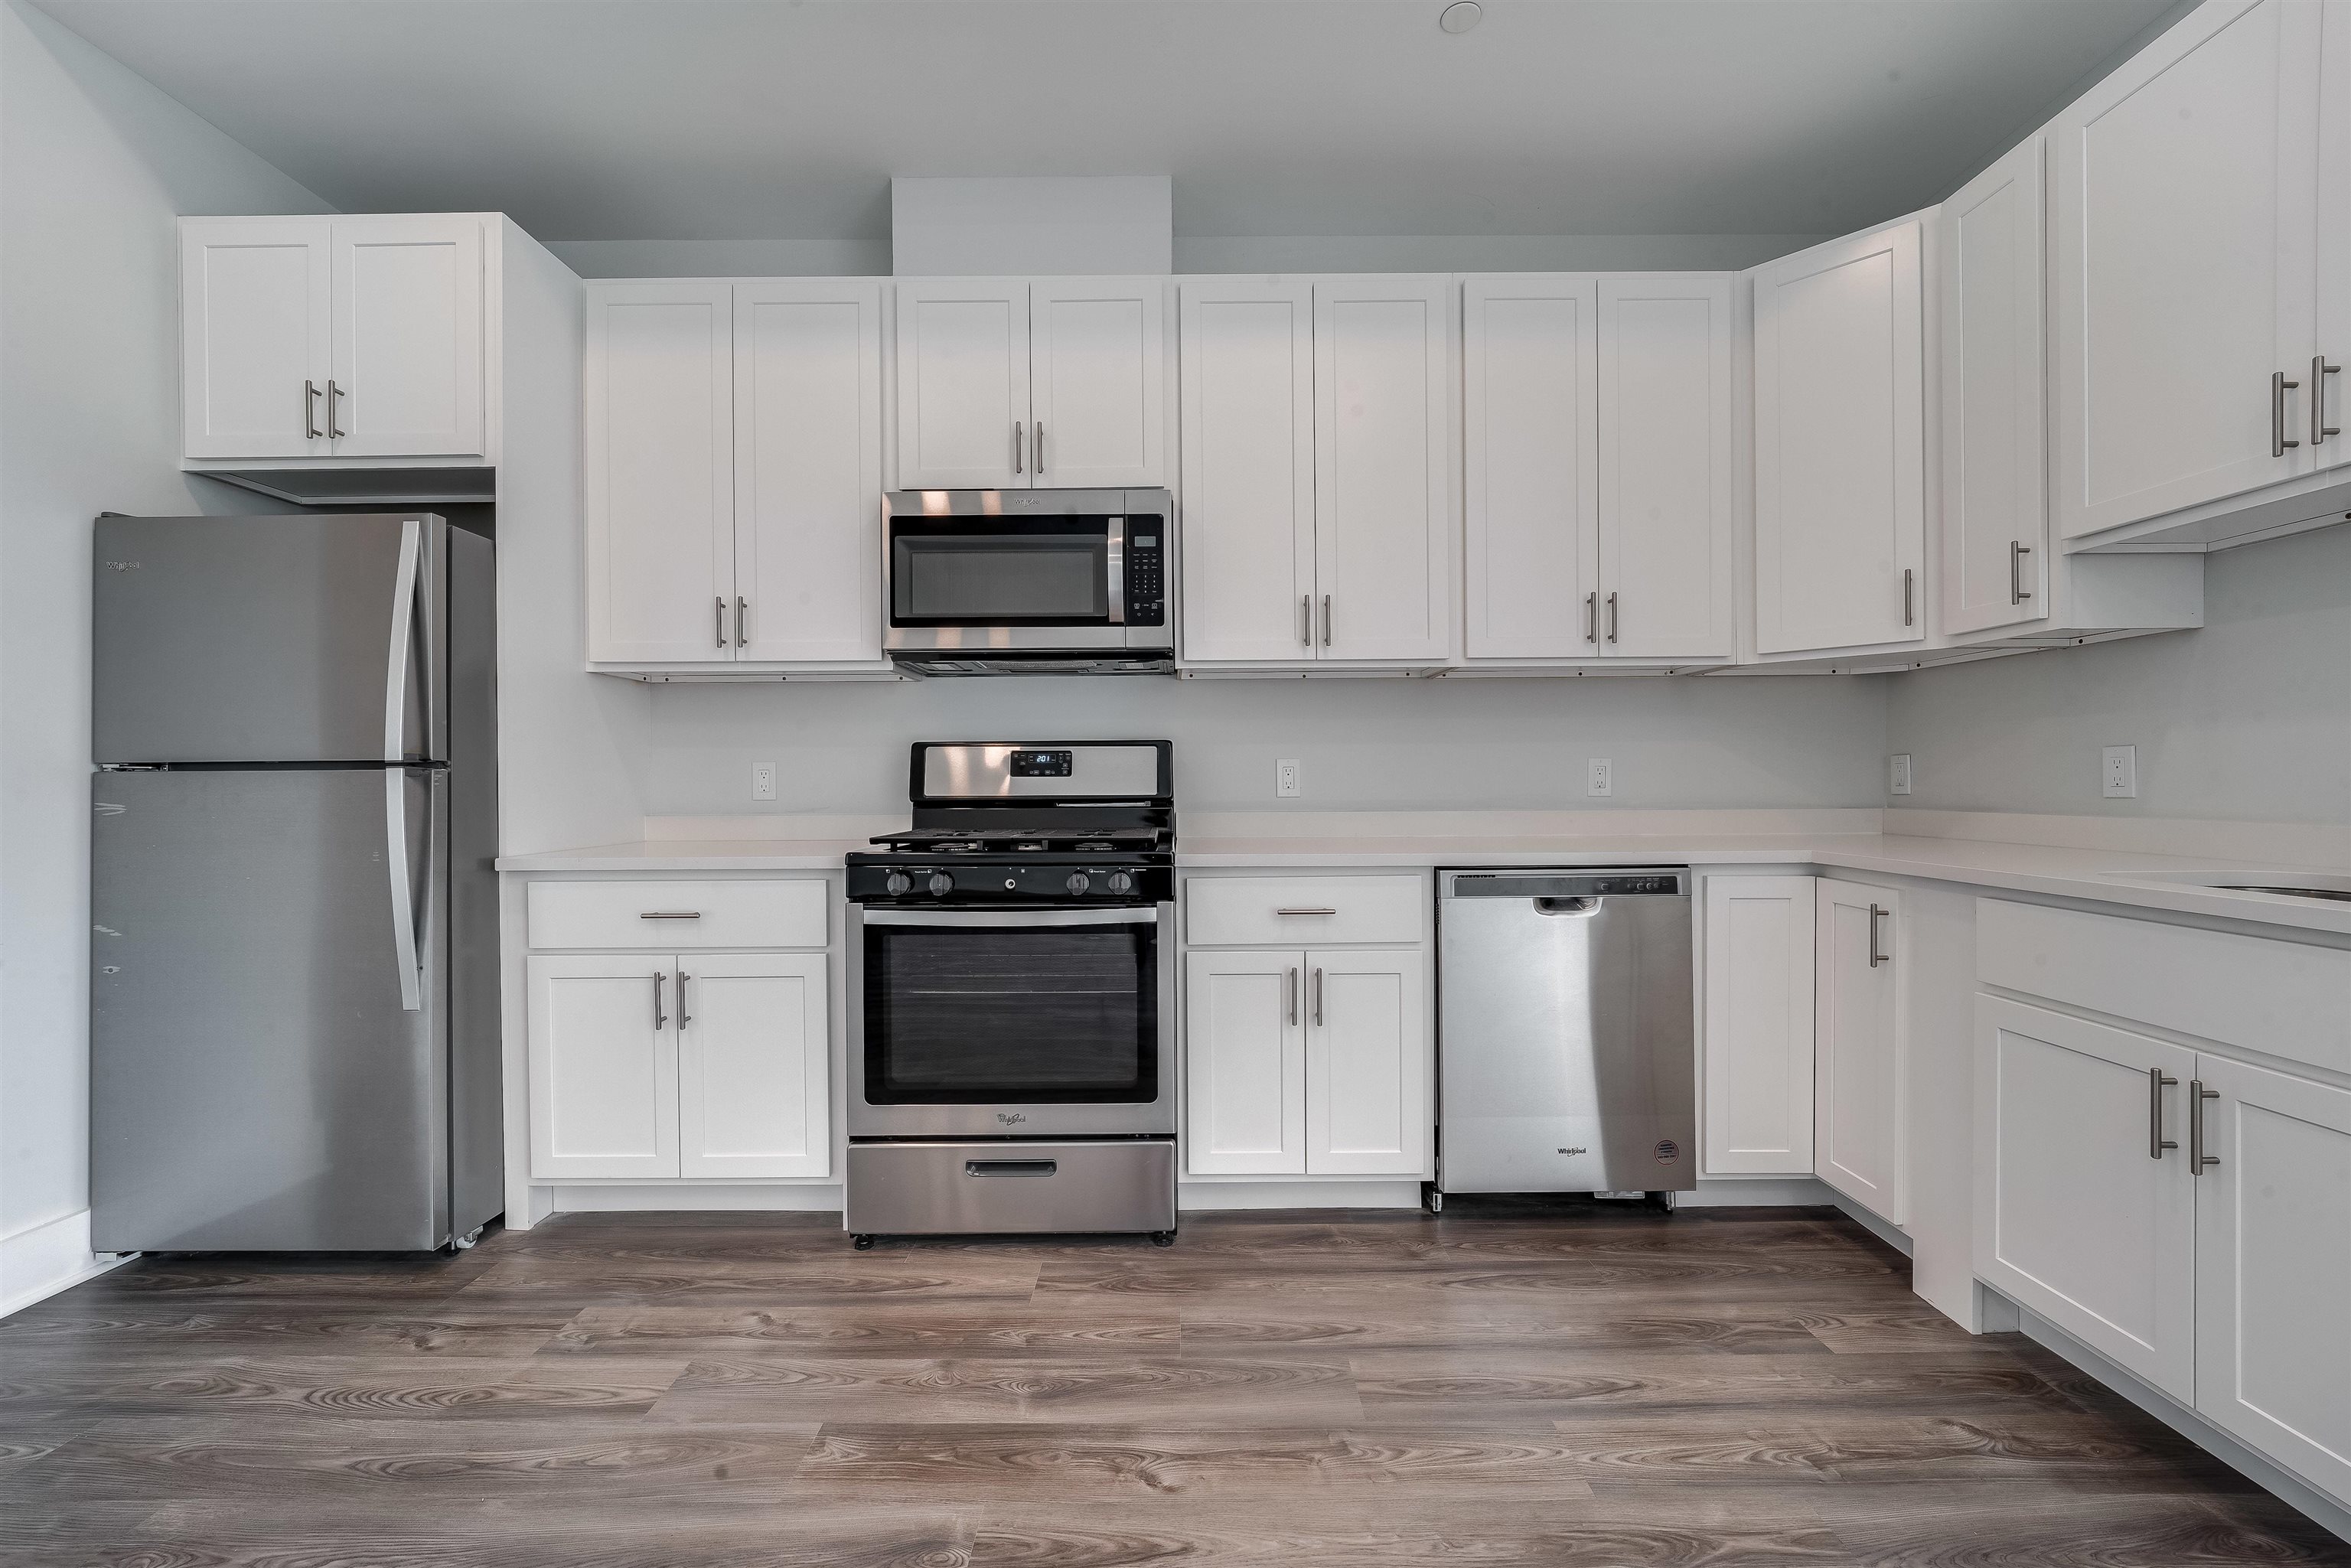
1041 1016
970 580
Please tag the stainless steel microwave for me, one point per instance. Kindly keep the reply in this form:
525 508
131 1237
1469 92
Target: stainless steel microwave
1030 581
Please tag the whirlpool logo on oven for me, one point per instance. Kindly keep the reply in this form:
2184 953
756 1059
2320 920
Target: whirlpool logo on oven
1010 1118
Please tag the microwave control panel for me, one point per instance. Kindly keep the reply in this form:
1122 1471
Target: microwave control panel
1147 571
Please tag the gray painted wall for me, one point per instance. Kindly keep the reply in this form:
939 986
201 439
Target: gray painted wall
1365 745
2247 719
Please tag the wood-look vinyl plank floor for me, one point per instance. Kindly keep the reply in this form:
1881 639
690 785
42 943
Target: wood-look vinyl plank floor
1504 1386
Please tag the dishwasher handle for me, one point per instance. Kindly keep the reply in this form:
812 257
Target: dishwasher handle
1583 907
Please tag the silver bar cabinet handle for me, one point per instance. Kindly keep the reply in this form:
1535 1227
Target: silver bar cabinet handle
2278 387
1877 913
310 410
1016 435
718 621
2017 551
1306 619
661 1019
669 914
2197 1095
1318 996
1290 993
1326 620
1612 618
742 622
334 408
2157 1080
1592 617
2319 370
1037 446
1304 909
1909 581
684 1018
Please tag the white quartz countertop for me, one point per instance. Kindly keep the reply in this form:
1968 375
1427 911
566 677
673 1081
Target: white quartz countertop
2107 876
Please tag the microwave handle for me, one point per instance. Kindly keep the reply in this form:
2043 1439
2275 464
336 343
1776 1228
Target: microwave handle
1115 553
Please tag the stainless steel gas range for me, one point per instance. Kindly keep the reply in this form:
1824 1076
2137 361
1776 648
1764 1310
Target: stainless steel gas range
1012 997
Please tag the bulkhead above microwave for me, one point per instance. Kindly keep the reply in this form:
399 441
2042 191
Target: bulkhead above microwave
1030 581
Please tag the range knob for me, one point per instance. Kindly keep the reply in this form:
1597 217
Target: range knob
941 881
1079 881
899 884
1120 882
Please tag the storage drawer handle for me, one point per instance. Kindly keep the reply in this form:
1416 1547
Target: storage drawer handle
2196 1158
1877 913
1010 1167
1323 909
2157 1080
669 914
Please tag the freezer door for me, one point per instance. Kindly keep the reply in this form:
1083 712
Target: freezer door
268 1066
301 639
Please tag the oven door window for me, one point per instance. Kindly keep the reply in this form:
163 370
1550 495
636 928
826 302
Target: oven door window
999 571
1039 1015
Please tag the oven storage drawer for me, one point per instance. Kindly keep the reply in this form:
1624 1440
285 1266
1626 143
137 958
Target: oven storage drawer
1009 1187
1305 911
671 915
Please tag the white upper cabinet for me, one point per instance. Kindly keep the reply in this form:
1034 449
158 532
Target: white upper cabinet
808 471
315 336
1097 383
1384 489
661 473
1995 521
1840 456
1859 1100
1004 384
2186 267
256 316
1247 349
1758 1031
1530 466
408 338
1666 571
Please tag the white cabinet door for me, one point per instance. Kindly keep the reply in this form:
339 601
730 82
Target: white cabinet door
408 338
1759 1024
2079 1214
808 471
963 385
603 1065
1243 1065
1366 1063
256 325
2186 211
2273 1268
1859 1100
1530 468
2331 390
1098 392
661 473
1383 468
1995 522
1666 495
754 1096
1247 352
1840 456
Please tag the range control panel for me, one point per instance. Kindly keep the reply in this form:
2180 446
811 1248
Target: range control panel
1147 571
1060 880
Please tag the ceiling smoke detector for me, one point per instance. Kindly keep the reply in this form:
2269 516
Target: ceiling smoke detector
1460 16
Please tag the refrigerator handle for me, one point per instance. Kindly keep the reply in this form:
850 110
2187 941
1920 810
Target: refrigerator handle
403 618
403 901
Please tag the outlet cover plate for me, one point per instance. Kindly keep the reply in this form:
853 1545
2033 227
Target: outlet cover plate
763 781
2118 773
1286 778
1598 775
1897 773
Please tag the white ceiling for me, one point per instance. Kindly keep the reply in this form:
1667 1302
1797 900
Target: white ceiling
620 119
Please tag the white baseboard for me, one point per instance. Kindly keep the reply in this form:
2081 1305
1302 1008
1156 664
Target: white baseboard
1757 1192
41 1259
1199 1196
624 1197
2223 1445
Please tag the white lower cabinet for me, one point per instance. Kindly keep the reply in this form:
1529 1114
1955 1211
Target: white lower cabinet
1758 1026
1307 1062
2273 1268
603 1065
1858 1078
751 1054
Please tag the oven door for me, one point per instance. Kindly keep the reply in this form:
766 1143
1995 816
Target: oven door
1012 1023
971 582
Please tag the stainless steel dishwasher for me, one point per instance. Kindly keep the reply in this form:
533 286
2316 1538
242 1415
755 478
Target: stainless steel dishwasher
1565 1031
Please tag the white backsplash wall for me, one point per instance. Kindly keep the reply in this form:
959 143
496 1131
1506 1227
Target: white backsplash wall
1363 744
2247 719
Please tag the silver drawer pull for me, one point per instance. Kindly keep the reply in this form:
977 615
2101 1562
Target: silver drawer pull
1010 1167
1322 910
671 914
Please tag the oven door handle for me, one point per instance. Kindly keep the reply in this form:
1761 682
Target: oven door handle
1003 919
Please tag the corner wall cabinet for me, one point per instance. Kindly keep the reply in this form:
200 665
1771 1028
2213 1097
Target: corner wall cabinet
693 1059
332 338
734 457
1005 383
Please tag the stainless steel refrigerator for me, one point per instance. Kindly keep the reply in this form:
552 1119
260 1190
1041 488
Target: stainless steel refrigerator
294 951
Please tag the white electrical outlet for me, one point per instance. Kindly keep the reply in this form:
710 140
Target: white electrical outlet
1285 777
1598 775
2118 776
1897 773
763 781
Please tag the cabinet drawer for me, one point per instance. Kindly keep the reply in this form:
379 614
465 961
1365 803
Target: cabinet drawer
2275 996
677 916
1303 911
